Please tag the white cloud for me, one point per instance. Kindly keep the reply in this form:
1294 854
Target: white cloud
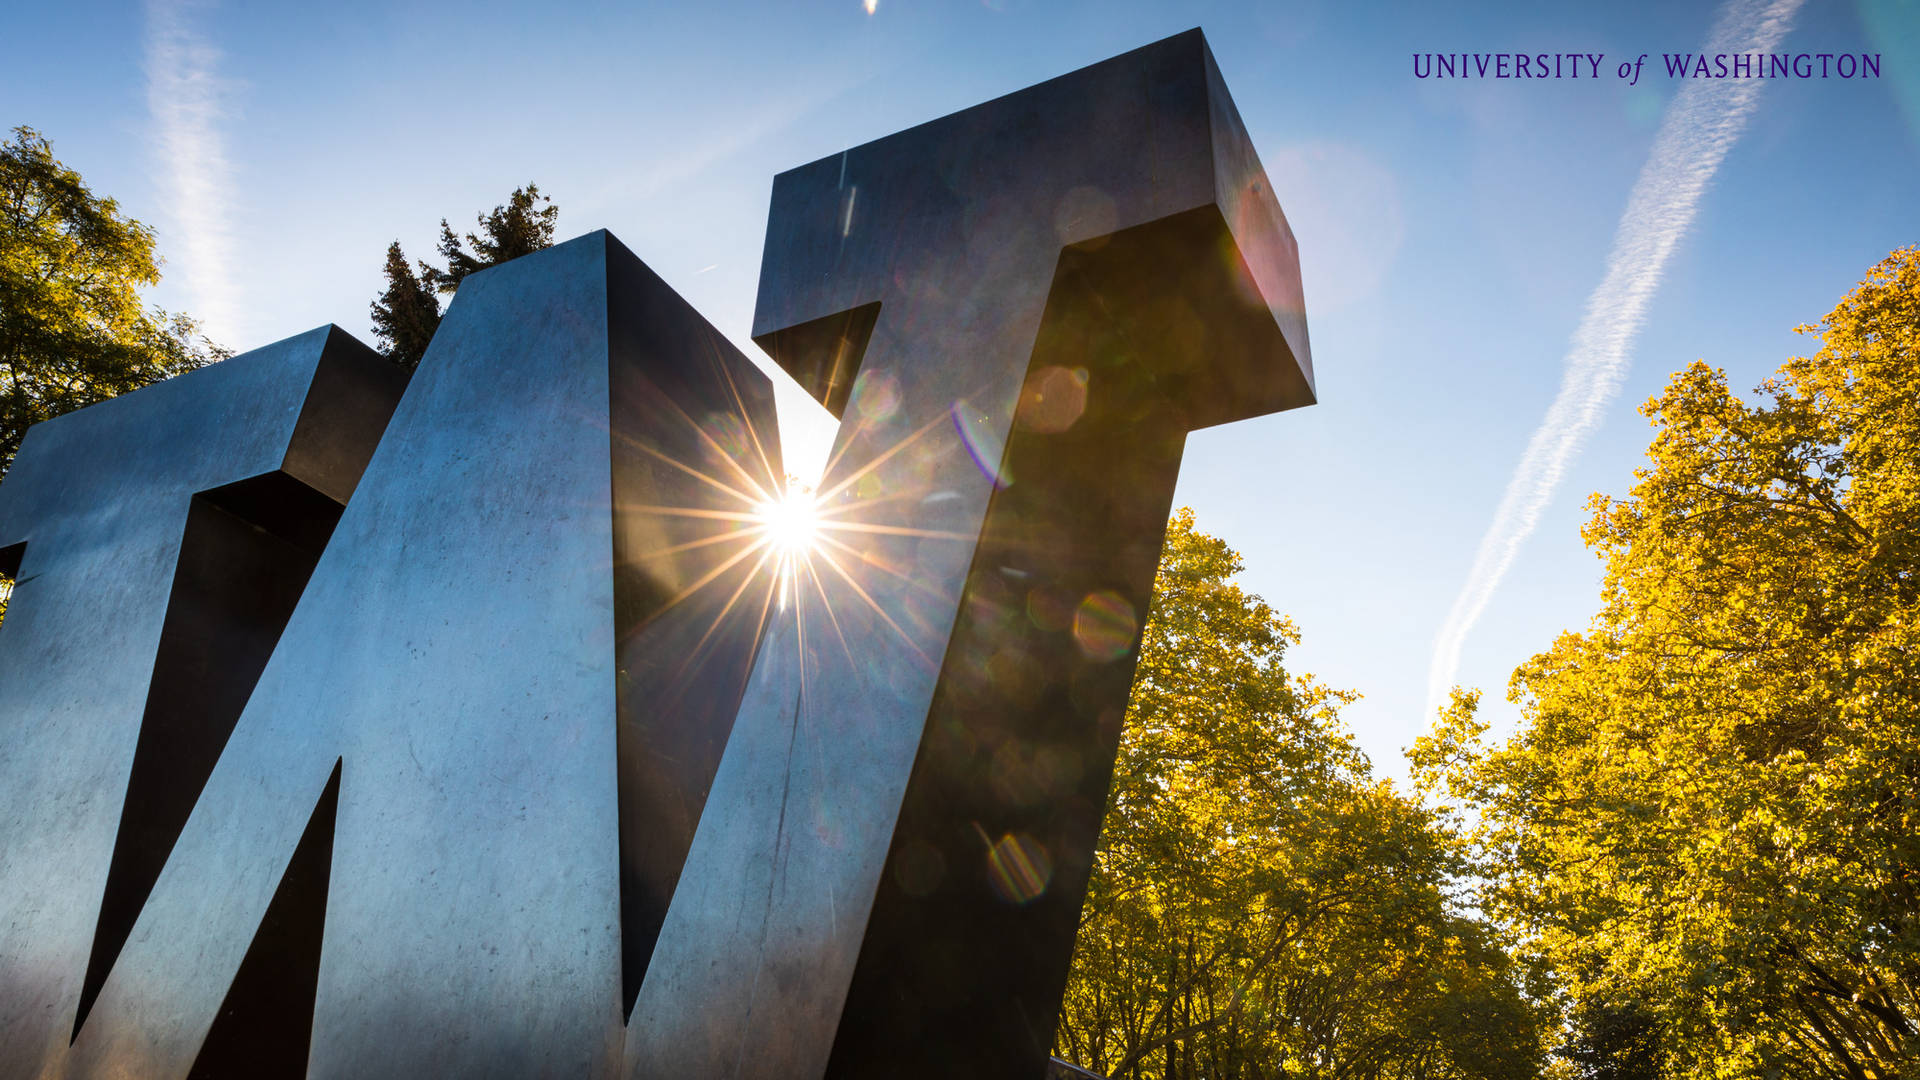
186 98
1701 124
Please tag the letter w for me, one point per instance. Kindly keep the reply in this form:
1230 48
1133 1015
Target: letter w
462 651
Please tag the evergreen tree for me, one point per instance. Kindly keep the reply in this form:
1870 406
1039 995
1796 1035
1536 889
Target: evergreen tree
407 313
510 231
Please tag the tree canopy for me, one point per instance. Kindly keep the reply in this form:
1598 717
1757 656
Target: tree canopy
408 312
73 329
1260 905
1709 822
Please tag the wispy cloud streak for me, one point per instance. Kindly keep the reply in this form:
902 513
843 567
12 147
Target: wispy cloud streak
186 99
1703 122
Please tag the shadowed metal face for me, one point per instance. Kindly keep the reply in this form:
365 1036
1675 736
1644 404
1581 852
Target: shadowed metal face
1019 311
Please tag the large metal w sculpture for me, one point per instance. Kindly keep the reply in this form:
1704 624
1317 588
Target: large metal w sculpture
496 727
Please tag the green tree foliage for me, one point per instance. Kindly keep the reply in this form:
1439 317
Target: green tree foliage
73 330
407 313
1711 814
510 231
1260 905
1614 1042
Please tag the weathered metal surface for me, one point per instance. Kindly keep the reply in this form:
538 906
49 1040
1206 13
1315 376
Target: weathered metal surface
541 596
1068 279
433 790
107 631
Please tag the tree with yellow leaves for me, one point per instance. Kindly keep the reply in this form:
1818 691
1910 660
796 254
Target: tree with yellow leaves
1709 822
73 330
1260 905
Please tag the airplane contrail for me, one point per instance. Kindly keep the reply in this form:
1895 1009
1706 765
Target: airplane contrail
185 97
1701 124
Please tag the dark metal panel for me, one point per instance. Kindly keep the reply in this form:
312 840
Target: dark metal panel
265 1024
101 499
696 456
343 417
886 878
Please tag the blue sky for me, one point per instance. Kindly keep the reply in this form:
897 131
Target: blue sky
1451 232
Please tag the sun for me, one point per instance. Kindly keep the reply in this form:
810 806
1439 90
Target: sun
803 544
790 528
790 522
